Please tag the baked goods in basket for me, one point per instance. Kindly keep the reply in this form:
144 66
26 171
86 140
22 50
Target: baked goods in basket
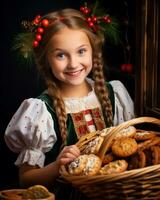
124 147
133 176
137 161
126 132
114 167
93 146
141 135
85 165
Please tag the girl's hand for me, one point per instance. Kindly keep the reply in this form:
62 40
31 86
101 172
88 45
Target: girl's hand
68 154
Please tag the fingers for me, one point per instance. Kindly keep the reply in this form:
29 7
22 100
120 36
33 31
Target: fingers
68 154
73 149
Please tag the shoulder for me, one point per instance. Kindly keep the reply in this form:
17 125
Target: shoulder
116 85
32 105
124 105
119 89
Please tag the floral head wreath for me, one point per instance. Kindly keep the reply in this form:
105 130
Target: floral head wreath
97 19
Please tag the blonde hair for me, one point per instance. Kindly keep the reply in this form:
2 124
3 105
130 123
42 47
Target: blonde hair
73 19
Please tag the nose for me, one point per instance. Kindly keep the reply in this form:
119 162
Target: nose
73 62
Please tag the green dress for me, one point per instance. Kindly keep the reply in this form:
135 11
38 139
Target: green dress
65 191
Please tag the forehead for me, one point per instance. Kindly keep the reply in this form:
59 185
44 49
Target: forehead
69 38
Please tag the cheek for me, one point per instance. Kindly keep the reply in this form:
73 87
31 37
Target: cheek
57 66
89 63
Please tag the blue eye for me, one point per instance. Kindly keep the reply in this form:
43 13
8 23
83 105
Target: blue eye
60 56
82 51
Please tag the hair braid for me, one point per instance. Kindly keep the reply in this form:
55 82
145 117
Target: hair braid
101 89
59 107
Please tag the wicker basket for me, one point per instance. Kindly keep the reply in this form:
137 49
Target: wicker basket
134 184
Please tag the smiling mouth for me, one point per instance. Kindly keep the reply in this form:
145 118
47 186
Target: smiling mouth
74 74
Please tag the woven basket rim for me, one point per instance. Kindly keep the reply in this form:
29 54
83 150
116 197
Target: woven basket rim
138 172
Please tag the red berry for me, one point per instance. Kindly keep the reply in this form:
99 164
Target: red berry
86 10
36 21
82 8
94 19
107 19
35 43
45 22
40 30
89 19
91 24
38 17
38 37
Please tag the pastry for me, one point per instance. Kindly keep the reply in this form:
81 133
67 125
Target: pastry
148 143
124 147
114 167
77 166
144 135
137 160
93 146
126 132
93 165
36 192
85 165
109 157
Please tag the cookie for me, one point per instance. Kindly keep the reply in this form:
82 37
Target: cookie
93 146
77 166
155 155
124 147
114 167
144 135
36 192
105 132
148 143
148 154
93 165
108 158
137 161
126 132
85 165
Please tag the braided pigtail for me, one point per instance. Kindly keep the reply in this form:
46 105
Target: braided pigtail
59 107
101 89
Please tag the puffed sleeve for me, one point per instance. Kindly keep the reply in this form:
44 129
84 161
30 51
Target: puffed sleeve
124 106
31 132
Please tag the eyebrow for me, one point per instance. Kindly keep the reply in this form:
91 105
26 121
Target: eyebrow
59 49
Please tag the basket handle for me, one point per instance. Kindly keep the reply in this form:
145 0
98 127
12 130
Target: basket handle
108 140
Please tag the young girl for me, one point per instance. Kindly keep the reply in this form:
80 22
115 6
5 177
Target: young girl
44 130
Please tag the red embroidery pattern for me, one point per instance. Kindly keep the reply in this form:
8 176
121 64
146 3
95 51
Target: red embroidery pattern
81 125
98 118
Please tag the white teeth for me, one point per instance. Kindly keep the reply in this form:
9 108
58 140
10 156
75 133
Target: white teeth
73 73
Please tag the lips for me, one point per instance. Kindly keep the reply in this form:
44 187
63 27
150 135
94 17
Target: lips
74 73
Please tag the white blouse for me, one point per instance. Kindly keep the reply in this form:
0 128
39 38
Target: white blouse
31 133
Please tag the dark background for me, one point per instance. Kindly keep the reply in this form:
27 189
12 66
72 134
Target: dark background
18 82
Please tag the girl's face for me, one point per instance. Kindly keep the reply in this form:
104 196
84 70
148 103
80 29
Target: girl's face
70 56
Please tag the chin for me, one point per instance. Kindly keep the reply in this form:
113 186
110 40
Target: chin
76 82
